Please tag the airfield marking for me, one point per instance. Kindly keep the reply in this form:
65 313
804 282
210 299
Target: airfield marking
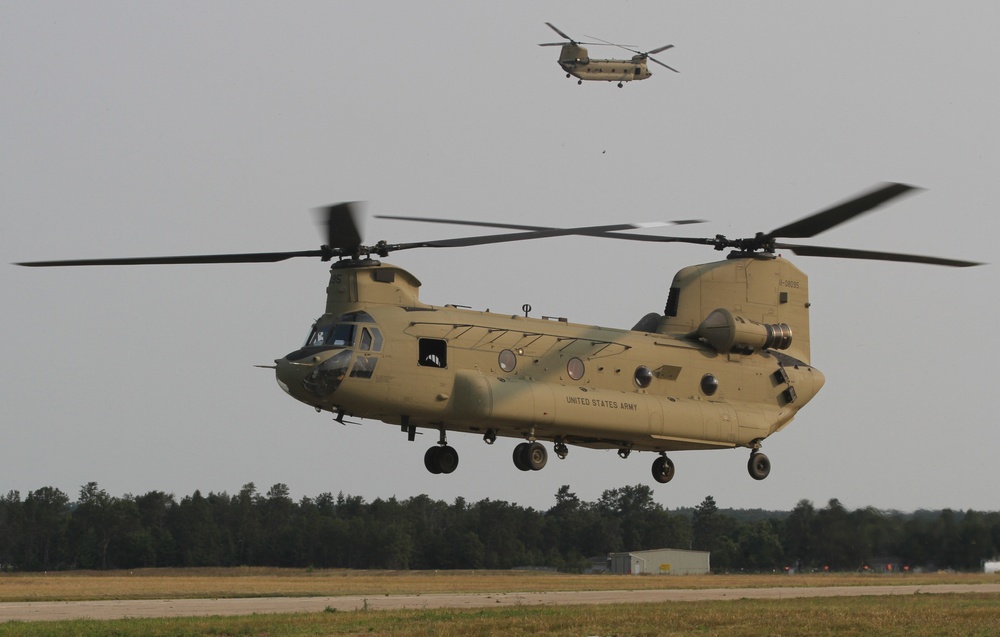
120 609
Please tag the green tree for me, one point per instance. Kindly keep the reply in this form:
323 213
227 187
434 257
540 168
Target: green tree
713 531
12 531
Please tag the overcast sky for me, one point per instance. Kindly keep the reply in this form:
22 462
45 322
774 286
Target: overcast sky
135 129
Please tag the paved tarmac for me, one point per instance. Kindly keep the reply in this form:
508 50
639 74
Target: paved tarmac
119 609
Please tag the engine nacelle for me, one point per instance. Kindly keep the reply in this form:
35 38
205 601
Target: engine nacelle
726 332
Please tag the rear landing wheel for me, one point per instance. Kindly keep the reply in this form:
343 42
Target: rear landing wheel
759 466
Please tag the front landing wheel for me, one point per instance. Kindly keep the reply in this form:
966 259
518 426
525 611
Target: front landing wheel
442 459
759 466
663 469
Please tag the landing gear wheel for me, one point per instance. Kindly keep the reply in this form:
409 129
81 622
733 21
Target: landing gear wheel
520 457
530 456
579 81
536 456
759 466
447 459
663 469
619 84
561 450
442 459
430 460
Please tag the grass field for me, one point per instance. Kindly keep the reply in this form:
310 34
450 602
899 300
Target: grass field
902 615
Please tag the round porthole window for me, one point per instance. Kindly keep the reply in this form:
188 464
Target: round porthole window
508 360
709 384
575 368
643 376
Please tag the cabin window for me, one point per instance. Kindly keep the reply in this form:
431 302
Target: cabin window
507 360
575 368
433 352
709 384
643 376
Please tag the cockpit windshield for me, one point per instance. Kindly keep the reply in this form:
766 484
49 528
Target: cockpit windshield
343 332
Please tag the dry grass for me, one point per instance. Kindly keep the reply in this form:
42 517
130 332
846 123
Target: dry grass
910 616
267 582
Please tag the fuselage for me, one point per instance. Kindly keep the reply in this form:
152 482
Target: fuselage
379 353
607 70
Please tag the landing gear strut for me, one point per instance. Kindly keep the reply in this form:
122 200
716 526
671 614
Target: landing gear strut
442 458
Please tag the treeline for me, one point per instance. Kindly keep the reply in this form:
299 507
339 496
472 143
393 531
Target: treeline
46 531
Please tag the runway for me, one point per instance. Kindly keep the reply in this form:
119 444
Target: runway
119 609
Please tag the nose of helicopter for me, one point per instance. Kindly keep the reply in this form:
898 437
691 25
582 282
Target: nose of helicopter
312 374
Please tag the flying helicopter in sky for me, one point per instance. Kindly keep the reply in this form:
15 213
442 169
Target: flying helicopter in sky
574 59
724 366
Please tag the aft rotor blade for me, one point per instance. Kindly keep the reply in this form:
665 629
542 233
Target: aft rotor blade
620 46
662 64
821 221
846 253
662 48
249 257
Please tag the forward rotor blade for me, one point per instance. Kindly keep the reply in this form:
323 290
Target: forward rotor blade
620 46
342 224
662 64
846 253
249 257
508 226
609 230
821 221
553 27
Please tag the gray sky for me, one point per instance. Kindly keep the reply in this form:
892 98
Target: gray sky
135 129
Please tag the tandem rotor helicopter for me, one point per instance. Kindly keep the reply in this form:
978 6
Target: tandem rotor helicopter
573 59
725 365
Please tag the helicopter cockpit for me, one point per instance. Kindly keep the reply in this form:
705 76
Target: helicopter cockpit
355 330
353 339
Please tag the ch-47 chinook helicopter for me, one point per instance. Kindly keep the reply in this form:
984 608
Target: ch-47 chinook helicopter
574 59
725 365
